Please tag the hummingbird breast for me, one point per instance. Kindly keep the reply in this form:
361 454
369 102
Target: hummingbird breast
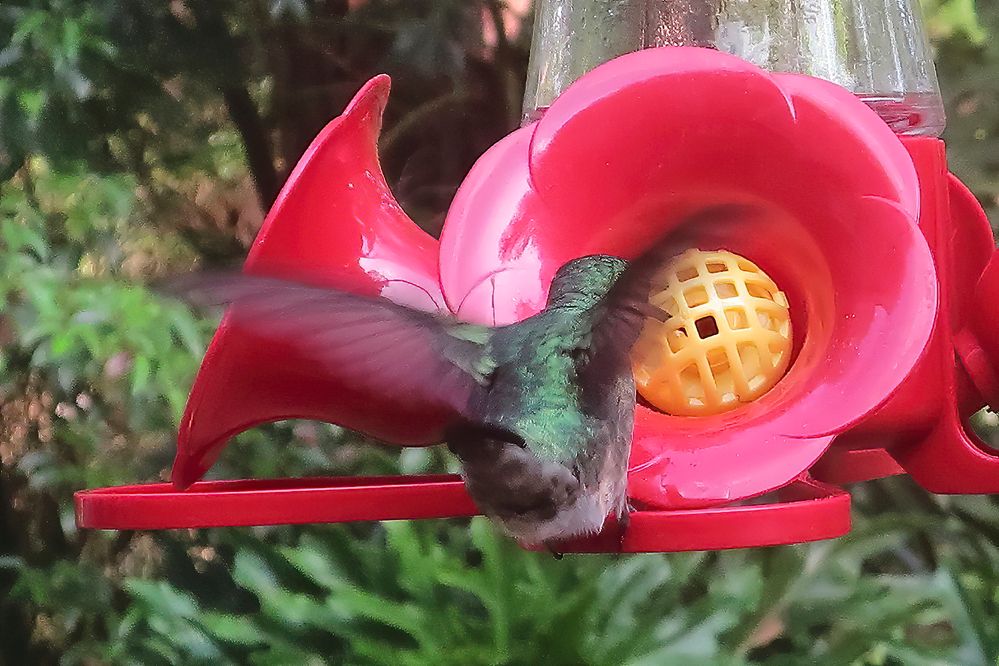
533 500
569 415
566 477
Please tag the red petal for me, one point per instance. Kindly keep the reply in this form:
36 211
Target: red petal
863 299
334 223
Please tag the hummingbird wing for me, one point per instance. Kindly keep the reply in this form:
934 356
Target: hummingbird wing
407 356
627 304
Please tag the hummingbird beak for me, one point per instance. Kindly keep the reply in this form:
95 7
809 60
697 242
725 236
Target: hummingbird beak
652 312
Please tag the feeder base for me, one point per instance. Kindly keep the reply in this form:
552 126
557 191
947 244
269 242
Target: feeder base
806 510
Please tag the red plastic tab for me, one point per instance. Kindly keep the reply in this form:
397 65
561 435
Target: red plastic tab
160 506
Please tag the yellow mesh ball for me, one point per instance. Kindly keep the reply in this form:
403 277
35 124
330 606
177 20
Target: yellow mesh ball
727 342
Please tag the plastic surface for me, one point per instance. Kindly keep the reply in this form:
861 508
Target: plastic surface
639 142
805 511
875 49
923 429
334 223
274 502
727 342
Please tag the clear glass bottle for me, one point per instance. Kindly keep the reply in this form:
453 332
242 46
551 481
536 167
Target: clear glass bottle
875 48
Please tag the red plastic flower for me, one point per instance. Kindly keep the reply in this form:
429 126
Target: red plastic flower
639 142
334 223
620 157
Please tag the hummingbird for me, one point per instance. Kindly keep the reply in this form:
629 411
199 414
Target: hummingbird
540 413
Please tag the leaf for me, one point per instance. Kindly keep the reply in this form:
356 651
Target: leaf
253 573
231 629
140 374
161 596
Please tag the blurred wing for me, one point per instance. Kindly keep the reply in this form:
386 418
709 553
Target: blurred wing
411 357
627 305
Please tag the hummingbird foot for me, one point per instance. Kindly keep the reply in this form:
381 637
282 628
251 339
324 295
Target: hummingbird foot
551 549
623 521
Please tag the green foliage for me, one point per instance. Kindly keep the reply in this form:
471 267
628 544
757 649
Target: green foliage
139 139
966 63
950 19
410 593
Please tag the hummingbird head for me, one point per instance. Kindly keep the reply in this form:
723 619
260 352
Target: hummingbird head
584 281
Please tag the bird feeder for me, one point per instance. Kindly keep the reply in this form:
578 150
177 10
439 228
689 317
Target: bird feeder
875 343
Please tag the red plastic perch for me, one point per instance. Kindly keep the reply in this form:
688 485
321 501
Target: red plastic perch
806 510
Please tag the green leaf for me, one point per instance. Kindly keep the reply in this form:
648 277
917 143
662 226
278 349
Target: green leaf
141 371
161 596
231 629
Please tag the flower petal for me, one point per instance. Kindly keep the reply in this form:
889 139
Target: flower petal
488 267
335 223
863 299
865 139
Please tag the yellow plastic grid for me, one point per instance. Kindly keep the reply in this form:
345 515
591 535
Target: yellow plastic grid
727 342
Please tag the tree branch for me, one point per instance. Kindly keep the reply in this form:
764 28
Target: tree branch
242 111
418 116
511 83
15 647
259 154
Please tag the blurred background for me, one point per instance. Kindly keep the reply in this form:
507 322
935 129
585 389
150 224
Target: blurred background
139 139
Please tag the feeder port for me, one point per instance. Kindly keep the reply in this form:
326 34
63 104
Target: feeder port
727 341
